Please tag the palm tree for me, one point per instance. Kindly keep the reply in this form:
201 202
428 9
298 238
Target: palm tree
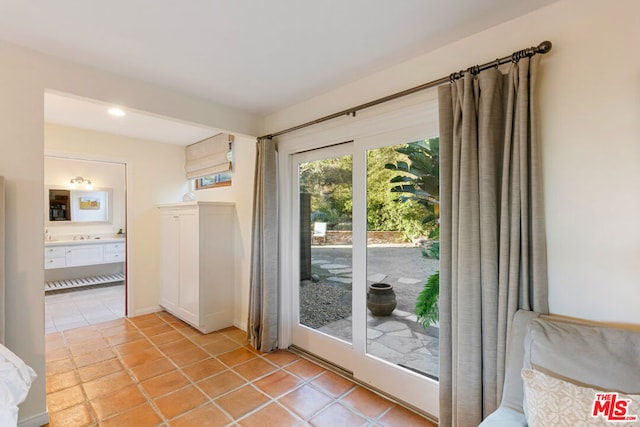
419 179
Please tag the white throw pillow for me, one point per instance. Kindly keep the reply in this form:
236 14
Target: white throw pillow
552 402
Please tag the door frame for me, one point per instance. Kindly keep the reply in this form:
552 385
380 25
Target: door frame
405 119
128 285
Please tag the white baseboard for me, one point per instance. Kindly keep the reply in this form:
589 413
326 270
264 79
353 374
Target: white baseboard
35 420
240 325
146 310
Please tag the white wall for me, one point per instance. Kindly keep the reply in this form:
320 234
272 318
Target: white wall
590 105
240 192
24 77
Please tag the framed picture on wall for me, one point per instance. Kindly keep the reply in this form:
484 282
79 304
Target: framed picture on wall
89 203
90 206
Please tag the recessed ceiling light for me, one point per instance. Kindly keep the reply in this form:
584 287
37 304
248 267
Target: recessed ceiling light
117 112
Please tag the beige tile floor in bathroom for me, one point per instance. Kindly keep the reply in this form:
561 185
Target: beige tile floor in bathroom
74 308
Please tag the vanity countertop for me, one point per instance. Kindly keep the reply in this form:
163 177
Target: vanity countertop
84 242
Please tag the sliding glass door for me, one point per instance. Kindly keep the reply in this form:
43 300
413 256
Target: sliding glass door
364 254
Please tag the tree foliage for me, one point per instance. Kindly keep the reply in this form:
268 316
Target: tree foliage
418 179
385 212
330 183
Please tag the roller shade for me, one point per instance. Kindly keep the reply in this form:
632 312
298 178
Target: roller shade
209 156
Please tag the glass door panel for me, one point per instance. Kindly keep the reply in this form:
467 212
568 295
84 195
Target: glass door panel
326 275
352 230
402 254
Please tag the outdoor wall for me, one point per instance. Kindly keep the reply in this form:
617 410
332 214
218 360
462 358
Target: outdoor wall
24 77
335 237
589 109
241 193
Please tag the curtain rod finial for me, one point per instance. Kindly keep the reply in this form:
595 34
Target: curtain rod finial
544 47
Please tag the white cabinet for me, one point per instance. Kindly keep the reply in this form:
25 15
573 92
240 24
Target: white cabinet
55 257
114 252
84 255
77 263
197 263
76 254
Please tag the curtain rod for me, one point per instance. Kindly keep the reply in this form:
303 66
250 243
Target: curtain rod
543 48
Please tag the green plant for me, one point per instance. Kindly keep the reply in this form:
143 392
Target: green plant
419 178
435 234
434 251
427 303
384 211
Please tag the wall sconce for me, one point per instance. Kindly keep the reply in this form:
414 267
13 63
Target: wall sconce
80 181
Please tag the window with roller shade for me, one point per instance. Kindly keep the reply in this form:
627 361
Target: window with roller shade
210 162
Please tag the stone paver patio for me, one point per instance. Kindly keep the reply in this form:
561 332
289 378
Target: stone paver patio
398 338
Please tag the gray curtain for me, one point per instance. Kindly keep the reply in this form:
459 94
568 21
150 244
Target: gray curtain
493 245
262 330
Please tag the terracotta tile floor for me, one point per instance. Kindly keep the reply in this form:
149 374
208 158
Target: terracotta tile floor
156 370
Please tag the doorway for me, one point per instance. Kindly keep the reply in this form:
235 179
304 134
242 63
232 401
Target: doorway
85 242
358 230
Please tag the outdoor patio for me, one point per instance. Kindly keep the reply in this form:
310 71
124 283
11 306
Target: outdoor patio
398 338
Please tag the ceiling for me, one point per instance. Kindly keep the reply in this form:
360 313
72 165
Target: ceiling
94 115
256 56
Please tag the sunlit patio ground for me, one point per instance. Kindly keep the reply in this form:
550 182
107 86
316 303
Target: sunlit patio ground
398 338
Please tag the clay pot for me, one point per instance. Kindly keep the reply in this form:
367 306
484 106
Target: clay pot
381 299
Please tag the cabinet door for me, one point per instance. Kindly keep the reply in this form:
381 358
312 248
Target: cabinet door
188 273
169 259
84 255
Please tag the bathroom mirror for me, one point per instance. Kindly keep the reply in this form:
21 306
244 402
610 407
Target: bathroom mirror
64 206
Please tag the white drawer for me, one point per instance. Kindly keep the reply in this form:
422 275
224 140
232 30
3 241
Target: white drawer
114 257
55 262
111 248
54 252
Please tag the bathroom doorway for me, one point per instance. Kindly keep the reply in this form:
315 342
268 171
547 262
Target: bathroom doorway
85 260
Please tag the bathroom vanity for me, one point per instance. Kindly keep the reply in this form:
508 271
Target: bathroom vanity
67 256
